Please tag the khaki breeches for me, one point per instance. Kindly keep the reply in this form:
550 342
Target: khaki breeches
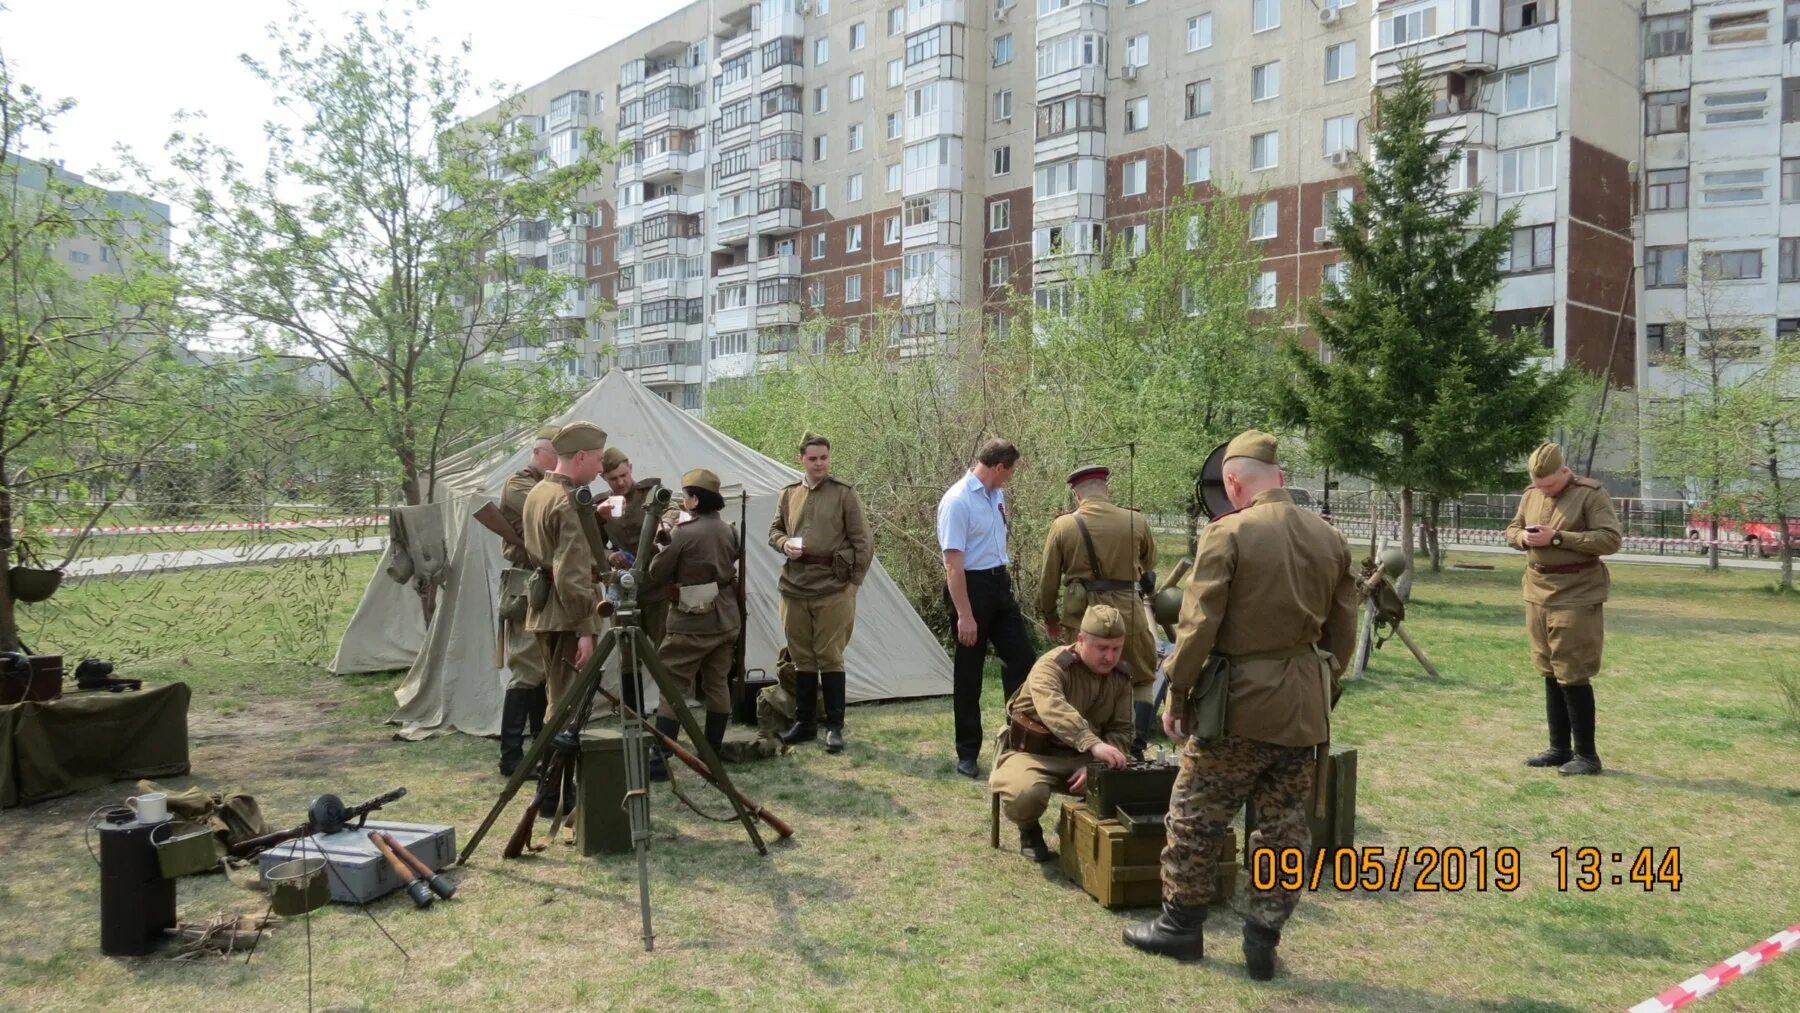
818 629
558 650
1566 642
699 657
524 656
1025 781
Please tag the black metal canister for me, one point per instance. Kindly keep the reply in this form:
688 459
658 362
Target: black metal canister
136 902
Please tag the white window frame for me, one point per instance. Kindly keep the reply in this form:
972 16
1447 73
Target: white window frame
1271 144
1265 15
1003 105
1198 167
1001 162
896 174
1265 291
1137 50
853 288
859 36
821 50
1538 77
1000 215
1137 114
1265 81
1531 168
1200 32
1141 169
890 230
1265 220
853 188
1344 123
858 86
1344 55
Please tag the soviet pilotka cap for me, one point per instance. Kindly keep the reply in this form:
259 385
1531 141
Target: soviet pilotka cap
1546 460
613 457
1103 621
579 436
701 478
547 432
1254 444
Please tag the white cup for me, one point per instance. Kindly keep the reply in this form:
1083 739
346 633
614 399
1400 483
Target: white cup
150 808
615 505
799 546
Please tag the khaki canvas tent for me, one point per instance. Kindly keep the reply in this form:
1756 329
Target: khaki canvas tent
452 682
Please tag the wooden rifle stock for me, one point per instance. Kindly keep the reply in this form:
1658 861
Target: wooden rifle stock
490 517
244 849
521 835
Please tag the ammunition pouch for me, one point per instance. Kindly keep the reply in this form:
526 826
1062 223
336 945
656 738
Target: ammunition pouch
840 563
515 593
539 582
1074 600
697 599
1026 734
1208 701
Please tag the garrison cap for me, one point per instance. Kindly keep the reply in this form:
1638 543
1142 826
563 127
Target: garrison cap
613 457
1103 621
811 437
1254 444
1546 460
578 436
701 478
547 432
1087 472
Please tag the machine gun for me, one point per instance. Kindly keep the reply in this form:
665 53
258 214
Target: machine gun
1384 609
326 815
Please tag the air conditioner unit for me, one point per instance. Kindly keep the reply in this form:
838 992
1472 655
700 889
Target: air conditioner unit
1338 157
1330 16
1129 72
1322 235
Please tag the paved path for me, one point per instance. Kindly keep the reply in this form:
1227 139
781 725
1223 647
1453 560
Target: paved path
1727 560
139 563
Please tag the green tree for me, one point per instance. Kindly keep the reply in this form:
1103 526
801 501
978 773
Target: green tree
1418 394
92 386
390 241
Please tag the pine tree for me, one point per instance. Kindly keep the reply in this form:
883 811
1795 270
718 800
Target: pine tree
1419 394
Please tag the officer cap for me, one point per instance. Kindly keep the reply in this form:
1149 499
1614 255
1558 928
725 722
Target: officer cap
701 478
1103 621
613 457
1088 472
1546 460
1254 444
578 436
547 432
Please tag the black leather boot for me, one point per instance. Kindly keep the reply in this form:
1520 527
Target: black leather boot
537 707
1032 844
1581 722
1556 714
1143 715
716 723
833 685
659 764
1174 933
513 719
1259 950
806 709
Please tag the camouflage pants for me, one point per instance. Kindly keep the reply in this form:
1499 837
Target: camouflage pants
1212 786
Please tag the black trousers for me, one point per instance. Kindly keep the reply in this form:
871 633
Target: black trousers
998 622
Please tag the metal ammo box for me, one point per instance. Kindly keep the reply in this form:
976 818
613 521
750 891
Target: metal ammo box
1143 786
1122 869
601 825
357 873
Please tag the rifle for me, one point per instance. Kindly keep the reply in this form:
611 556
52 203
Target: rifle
490 517
739 659
326 815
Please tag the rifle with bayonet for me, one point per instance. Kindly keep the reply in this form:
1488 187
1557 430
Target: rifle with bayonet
326 815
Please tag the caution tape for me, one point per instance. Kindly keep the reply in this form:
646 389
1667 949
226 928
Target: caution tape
1715 977
190 529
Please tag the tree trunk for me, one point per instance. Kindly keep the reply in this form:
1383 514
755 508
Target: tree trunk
1434 546
1407 518
1781 520
9 619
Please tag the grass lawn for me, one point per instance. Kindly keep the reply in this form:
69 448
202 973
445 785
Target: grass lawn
888 897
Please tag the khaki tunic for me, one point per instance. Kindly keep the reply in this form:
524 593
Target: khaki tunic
1078 705
554 540
818 596
1270 578
698 647
524 655
621 534
1126 549
1564 612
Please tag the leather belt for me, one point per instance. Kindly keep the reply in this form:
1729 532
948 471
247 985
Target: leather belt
1297 651
1105 586
1564 567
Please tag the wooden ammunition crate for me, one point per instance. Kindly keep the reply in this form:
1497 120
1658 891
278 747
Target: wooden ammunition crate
1336 830
1120 869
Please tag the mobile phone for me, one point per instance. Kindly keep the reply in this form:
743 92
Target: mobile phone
1533 528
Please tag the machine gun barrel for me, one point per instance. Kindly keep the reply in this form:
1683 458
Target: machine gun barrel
244 849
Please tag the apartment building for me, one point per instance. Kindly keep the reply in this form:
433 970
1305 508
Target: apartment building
805 173
83 254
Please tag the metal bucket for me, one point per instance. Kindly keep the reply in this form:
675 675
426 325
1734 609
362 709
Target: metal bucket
183 849
299 886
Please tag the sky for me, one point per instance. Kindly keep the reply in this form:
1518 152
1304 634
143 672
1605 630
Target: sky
131 66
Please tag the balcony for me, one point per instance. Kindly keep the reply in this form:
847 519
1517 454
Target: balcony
920 16
670 164
784 314
742 42
735 232
782 75
1469 49
1474 128
780 221
675 203
686 77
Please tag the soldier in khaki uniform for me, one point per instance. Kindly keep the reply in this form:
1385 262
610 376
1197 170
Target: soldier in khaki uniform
525 699
1564 525
621 533
1099 555
1074 707
699 569
1273 595
819 526
569 620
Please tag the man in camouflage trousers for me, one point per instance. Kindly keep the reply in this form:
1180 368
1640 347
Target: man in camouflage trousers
1273 598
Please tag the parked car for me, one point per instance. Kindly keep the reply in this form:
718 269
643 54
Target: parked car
1758 536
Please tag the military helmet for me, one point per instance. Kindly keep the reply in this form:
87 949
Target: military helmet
33 585
1166 606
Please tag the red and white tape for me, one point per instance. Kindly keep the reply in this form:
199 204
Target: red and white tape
187 529
1713 978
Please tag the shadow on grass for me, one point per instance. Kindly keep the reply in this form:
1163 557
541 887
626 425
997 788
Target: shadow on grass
1789 796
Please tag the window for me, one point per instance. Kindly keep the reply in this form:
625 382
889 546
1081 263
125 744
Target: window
1790 180
782 100
890 281
821 99
1665 341
1003 160
1137 51
1136 177
893 178
1790 261
1665 266
1734 186
1134 240
818 246
1533 249
919 210
1666 189
853 189
1790 100
821 51
1081 112
782 53
1199 32
1335 201
734 116
997 272
1725 108
1525 170
1334 275
853 334
1262 291
1340 62
730 343
890 230
1137 113
928 154
1517 14
823 7
859 36
893 126
1790 26
1199 99
919 265
1002 105
1408 27
1666 36
1263 220
1003 50
1198 164
896 73
853 288
896 20
815 293
1265 81
821 148
1666 112
929 45
1265 150
1786 329
857 87
1340 134
922 101
1055 179
999 215
1731 265
1732 29
1531 87
1066 52
1264 15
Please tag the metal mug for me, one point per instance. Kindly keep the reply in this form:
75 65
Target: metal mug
151 807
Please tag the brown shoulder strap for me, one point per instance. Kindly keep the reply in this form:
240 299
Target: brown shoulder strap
1088 540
